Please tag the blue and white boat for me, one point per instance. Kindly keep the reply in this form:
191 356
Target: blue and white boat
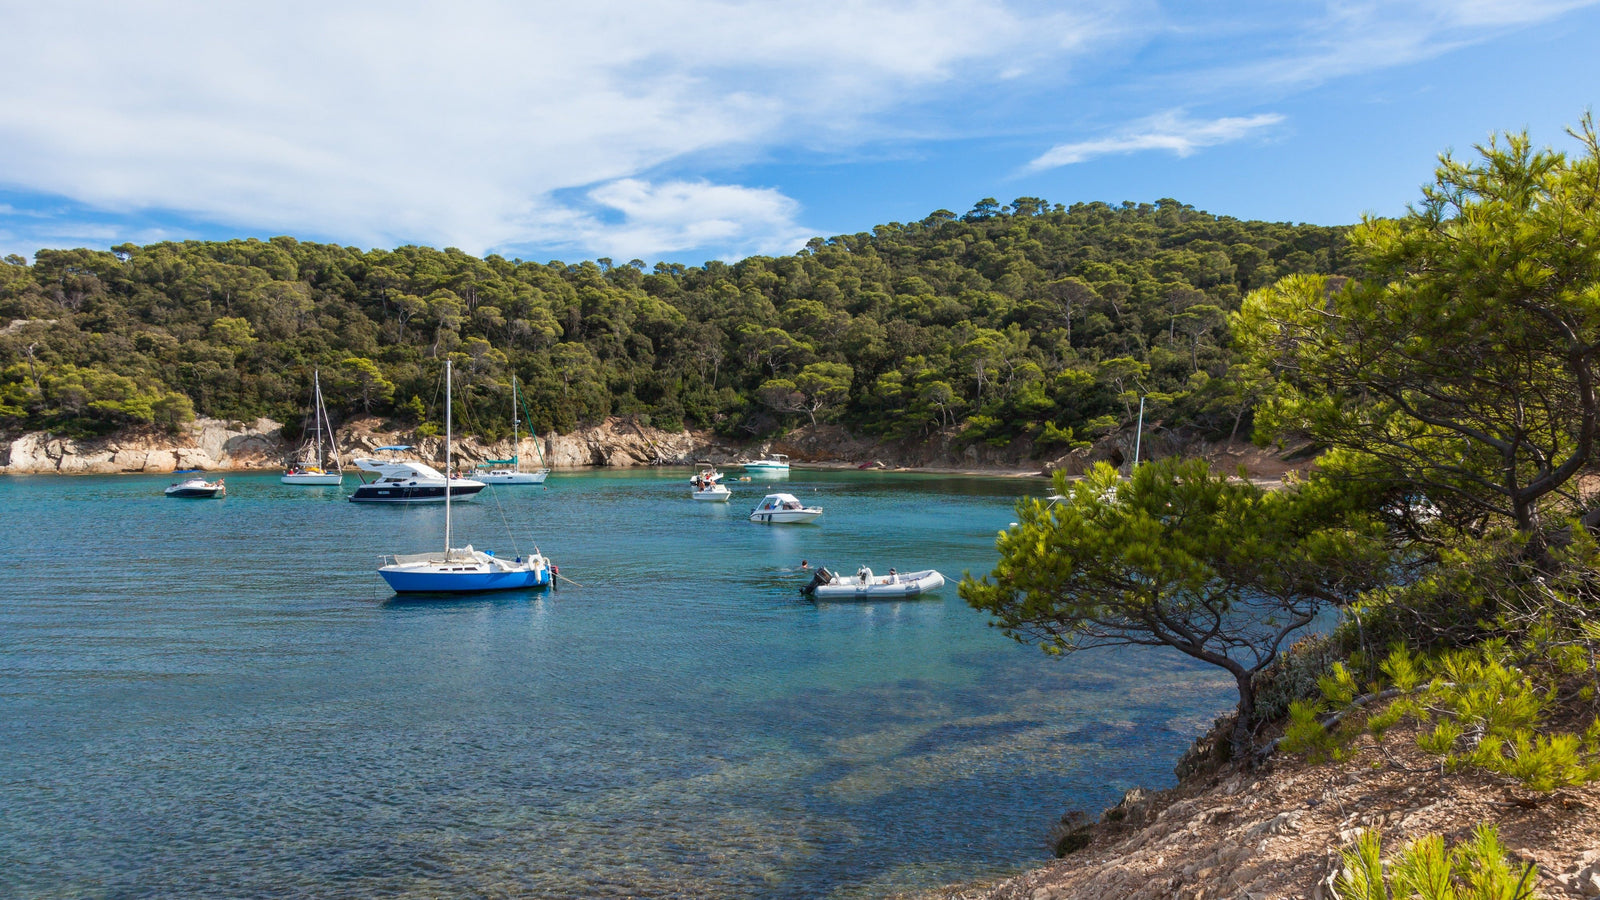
771 464
462 570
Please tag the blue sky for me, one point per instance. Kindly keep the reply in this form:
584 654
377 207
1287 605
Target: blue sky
690 130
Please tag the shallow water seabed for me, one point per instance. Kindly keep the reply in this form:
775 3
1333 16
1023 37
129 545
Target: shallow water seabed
220 697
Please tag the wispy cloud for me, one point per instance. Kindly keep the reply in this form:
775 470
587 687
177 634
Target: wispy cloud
1349 37
1170 131
388 122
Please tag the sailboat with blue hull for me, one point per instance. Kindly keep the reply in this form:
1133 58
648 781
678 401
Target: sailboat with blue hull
462 570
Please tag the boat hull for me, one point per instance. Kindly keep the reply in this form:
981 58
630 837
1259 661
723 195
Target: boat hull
312 478
405 580
194 493
510 477
884 588
785 516
404 493
719 496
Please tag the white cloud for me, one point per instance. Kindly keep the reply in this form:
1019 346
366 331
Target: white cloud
1350 37
631 217
384 122
1171 131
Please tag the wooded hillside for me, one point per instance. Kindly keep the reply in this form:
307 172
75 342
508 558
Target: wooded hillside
1027 319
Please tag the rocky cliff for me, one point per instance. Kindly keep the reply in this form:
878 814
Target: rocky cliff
214 444
204 444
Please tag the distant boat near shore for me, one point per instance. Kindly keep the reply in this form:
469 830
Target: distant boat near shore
307 469
196 489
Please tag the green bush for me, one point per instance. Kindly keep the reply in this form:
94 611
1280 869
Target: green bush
1477 869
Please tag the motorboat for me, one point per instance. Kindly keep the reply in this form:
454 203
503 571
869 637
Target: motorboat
707 473
706 485
407 481
864 585
307 467
197 489
784 509
772 463
710 490
509 471
462 570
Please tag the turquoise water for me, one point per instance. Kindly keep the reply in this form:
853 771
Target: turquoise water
220 698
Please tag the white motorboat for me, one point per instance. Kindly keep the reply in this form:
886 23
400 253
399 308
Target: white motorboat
462 570
866 586
307 468
784 509
708 472
196 489
772 463
509 471
408 481
710 490
706 485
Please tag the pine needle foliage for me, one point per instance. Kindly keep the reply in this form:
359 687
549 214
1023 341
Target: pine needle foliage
1476 869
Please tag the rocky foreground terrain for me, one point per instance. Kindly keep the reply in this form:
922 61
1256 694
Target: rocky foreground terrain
1275 831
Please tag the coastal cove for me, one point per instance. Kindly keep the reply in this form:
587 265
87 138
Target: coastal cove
220 698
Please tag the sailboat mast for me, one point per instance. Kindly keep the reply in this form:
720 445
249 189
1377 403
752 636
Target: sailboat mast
447 403
316 391
516 435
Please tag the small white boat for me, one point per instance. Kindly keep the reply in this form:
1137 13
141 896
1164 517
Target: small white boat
713 492
784 509
708 472
706 485
771 463
197 488
865 586
509 471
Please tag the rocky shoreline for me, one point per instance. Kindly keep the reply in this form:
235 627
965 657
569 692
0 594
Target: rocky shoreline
218 445
1276 831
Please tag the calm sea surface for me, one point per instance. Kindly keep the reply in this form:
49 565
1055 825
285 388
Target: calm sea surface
220 698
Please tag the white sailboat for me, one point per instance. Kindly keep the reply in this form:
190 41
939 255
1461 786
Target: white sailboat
462 570
494 469
307 468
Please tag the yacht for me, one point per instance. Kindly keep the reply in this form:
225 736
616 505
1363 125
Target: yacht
772 463
407 481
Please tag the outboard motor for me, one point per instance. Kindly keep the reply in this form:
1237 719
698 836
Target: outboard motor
822 576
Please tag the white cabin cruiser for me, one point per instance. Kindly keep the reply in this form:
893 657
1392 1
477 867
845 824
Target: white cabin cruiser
196 489
772 463
865 586
408 481
784 509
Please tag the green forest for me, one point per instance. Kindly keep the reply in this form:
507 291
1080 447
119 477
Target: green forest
1431 585
1028 320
